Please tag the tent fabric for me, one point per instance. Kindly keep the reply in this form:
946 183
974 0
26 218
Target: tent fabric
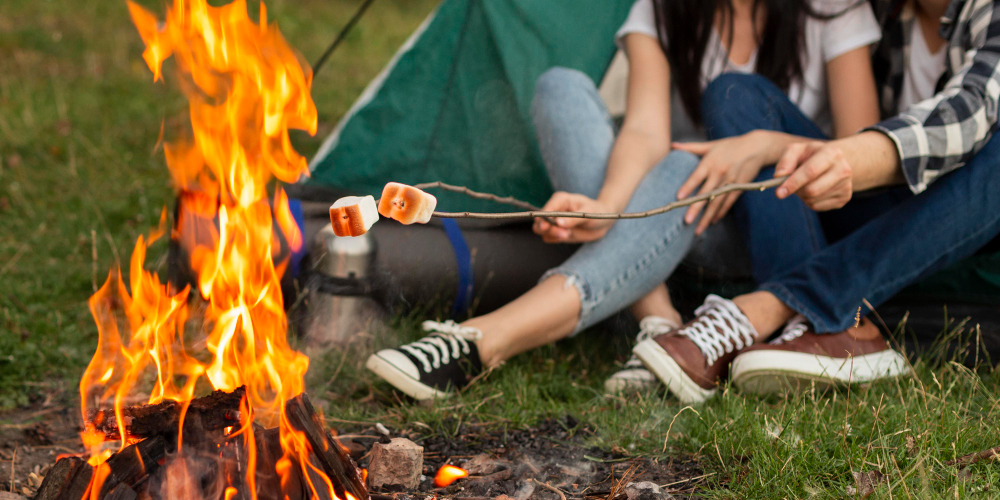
973 280
455 104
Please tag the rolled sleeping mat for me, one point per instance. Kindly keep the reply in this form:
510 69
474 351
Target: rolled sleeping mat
464 266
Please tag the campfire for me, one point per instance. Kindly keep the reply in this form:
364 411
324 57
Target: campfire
257 435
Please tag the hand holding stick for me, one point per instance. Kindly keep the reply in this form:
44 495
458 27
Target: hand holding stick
534 212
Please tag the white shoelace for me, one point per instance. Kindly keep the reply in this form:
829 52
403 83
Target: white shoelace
448 341
793 330
719 329
648 328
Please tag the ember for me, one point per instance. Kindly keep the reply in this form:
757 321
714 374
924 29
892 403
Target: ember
448 474
246 88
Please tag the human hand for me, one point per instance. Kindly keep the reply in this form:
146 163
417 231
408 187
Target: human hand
724 161
571 230
818 173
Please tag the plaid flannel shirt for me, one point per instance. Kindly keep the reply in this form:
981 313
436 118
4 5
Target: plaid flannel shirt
942 133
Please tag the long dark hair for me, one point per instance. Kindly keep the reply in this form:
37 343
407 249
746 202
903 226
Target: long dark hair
689 23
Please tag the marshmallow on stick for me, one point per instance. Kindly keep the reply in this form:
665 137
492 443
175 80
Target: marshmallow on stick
353 215
406 204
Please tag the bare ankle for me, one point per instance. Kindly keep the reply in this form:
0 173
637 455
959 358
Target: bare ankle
656 303
765 311
488 356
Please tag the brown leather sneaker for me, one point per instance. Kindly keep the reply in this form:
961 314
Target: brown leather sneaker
692 360
799 358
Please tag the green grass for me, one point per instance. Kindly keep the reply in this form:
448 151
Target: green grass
796 446
79 118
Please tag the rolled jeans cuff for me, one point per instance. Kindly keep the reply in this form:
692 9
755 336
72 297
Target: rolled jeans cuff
587 302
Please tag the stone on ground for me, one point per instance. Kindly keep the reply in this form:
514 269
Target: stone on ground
646 490
397 463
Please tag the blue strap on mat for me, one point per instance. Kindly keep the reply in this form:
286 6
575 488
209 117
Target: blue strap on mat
464 260
295 206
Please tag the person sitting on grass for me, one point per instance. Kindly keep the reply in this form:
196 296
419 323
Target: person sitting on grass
937 163
819 59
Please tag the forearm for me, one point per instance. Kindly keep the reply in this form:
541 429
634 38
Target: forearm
632 157
873 159
773 144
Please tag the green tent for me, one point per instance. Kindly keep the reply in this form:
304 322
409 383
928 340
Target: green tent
453 105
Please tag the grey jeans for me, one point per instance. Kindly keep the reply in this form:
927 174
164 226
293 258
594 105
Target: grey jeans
576 134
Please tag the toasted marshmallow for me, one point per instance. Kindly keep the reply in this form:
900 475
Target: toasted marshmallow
353 215
406 204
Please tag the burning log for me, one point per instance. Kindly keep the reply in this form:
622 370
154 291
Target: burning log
69 479
233 467
267 478
60 476
131 465
121 492
214 412
333 460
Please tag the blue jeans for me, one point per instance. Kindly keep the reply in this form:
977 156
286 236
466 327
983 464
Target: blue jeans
734 104
880 243
575 135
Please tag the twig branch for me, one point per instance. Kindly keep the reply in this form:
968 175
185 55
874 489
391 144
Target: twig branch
507 200
992 453
557 491
532 213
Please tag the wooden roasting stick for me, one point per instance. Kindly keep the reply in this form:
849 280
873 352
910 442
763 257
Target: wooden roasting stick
533 211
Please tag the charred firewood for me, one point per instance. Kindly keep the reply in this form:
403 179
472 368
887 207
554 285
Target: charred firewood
233 468
59 478
331 458
214 412
78 484
121 492
132 464
268 480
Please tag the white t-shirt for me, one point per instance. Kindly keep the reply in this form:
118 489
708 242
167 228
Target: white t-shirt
824 41
923 69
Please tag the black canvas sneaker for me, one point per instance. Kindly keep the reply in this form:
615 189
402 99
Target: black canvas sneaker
434 366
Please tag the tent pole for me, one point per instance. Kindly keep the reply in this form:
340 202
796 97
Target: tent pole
340 36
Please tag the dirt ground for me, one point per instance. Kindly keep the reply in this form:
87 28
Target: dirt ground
31 439
550 456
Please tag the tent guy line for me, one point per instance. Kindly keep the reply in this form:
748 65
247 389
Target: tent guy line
533 211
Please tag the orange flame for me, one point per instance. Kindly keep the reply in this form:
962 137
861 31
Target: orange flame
448 474
246 88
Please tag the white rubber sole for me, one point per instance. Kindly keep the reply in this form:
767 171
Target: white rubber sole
628 381
770 372
400 380
670 373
